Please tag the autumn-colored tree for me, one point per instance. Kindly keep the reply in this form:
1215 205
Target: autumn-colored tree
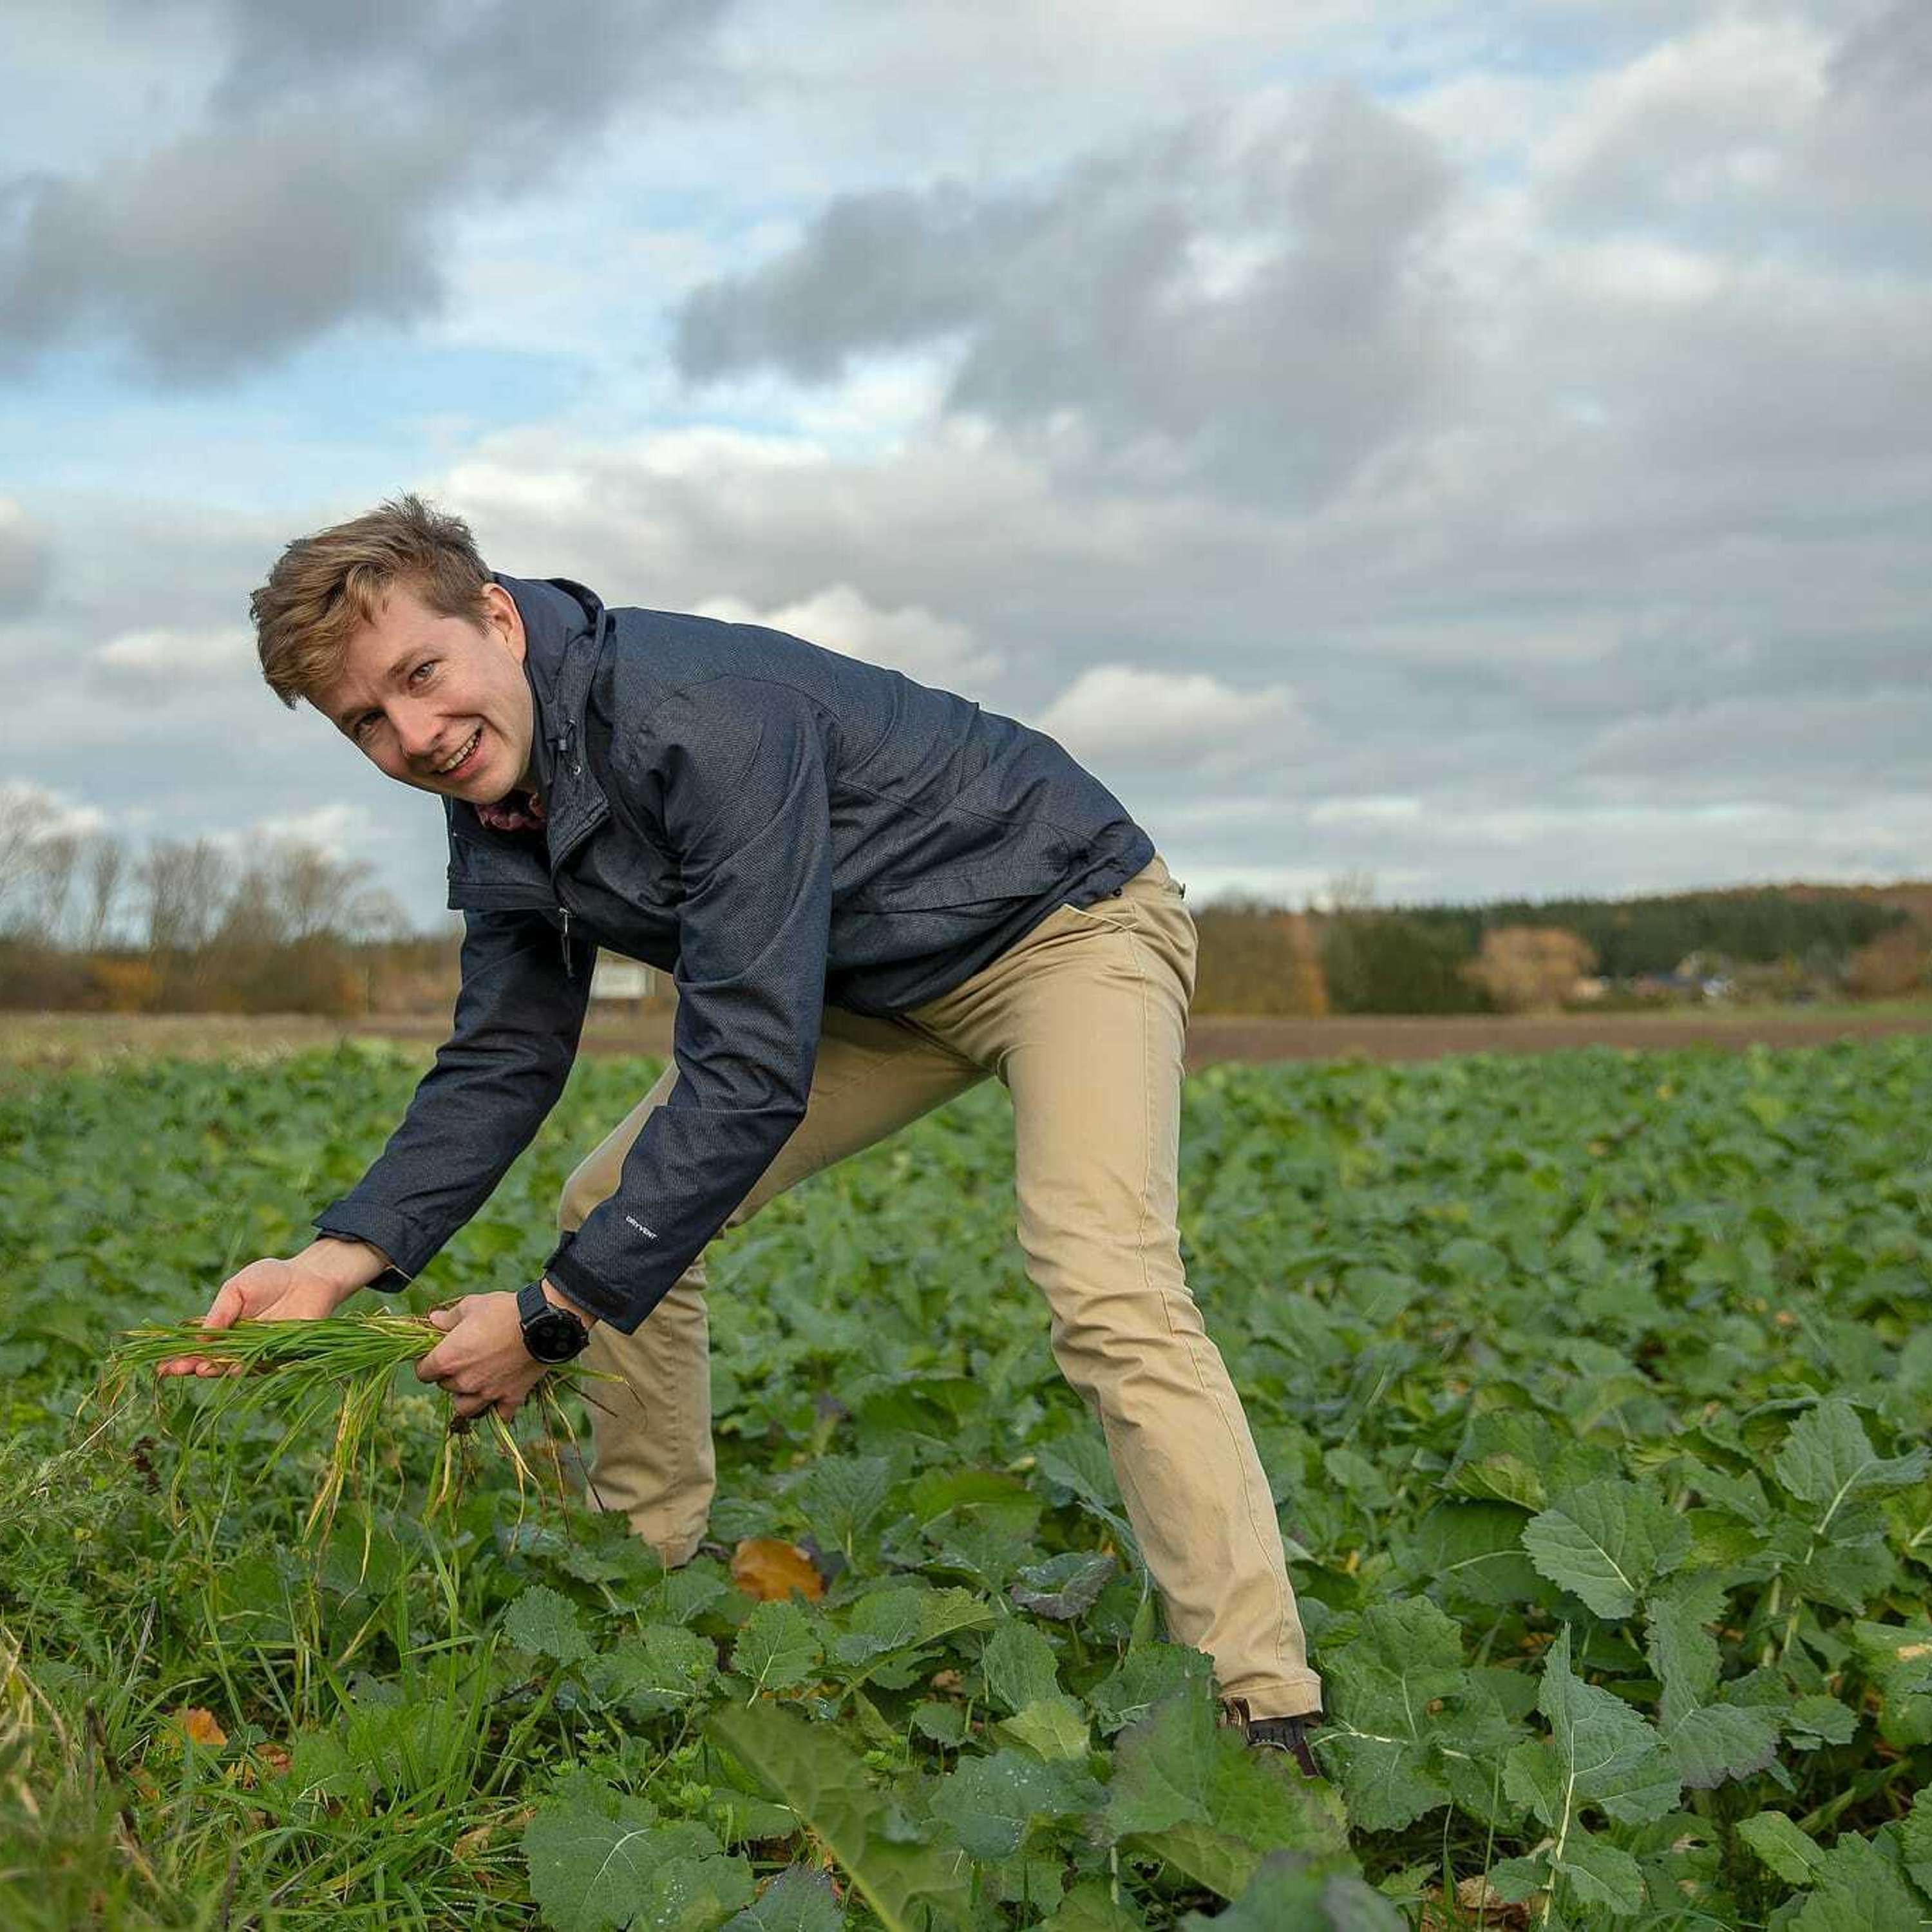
1531 968
1893 966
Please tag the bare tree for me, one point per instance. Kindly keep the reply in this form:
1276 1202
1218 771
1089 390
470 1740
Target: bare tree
106 866
185 889
295 891
56 860
39 854
1350 892
21 818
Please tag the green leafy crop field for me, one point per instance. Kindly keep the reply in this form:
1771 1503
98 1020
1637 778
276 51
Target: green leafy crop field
1592 1389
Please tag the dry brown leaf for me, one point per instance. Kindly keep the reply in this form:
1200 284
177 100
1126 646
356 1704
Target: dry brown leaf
200 1726
763 1567
1477 1895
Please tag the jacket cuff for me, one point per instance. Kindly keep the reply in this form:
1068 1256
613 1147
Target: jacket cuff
380 1229
623 1312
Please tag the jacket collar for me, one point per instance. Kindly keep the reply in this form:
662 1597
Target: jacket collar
565 626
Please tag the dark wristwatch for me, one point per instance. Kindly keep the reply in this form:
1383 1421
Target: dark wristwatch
550 1333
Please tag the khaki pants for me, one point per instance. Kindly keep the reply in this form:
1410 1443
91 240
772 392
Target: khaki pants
1083 1019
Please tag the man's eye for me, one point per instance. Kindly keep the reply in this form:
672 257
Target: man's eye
420 675
360 729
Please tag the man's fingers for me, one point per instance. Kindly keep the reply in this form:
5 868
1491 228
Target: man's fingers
443 1319
223 1310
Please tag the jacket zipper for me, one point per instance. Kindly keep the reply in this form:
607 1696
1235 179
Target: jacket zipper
561 742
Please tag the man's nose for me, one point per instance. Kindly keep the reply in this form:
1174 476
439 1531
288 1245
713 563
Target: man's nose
415 728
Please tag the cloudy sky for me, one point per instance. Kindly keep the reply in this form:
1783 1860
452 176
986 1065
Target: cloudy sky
1485 446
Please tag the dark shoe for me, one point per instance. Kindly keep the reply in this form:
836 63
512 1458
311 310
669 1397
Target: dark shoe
1285 1734
1275 1734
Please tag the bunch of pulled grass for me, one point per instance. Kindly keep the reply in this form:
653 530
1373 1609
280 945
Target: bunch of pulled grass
334 1373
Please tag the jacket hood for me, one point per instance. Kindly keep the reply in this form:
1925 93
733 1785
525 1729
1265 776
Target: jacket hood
557 614
564 629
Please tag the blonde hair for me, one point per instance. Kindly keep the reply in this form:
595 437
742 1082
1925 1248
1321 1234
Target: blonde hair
325 587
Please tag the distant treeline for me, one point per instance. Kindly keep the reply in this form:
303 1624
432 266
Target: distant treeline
1765 944
1635 937
87 923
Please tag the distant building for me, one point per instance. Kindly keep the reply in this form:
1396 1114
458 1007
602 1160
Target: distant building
618 978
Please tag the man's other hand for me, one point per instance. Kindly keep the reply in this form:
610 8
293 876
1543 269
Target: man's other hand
480 1362
304 1289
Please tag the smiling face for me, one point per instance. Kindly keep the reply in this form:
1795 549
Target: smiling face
439 702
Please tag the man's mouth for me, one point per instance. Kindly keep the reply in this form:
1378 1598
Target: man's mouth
464 753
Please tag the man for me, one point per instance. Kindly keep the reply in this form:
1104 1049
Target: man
873 895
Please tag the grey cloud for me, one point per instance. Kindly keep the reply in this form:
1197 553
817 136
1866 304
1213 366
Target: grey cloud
1888 53
1252 302
1762 135
879 271
336 151
24 564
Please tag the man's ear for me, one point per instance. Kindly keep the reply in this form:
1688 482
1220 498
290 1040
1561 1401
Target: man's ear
502 616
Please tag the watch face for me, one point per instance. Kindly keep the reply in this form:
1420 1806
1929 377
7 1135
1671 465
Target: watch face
553 1337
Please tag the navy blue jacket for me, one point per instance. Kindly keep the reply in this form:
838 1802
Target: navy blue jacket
782 828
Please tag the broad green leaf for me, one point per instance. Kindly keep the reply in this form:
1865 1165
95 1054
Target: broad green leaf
1821 1717
1742 1496
693 1893
903 1617
1079 1462
1606 1542
1599 1873
1063 1587
1018 1664
1382 1736
1474 1551
841 1496
1603 1752
1006 1497
1783 1847
665 1667
1915 1840
1716 1742
1858 1889
542 1621
1828 1459
808 1769
887 1620
1163 1766
1900 1658
991 1803
797 1900
598 1860
1089 1907
685 1595
1193 1791
778 1647
1053 1726
944 1723
1682 1650
1288 1894
1142 1679
944 1612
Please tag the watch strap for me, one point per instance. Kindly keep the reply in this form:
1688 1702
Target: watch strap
533 1307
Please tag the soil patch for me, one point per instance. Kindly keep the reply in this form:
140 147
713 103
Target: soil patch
52 1040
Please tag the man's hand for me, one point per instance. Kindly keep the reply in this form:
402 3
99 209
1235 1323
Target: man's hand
313 1284
482 1361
